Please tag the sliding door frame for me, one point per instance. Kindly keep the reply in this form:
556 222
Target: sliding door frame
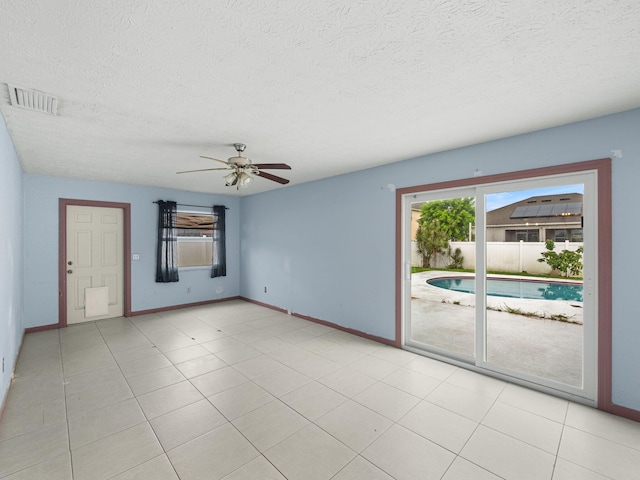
602 167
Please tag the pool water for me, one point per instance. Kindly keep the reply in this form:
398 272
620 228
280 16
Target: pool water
531 289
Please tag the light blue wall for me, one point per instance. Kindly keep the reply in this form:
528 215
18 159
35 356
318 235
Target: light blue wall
41 245
11 258
326 249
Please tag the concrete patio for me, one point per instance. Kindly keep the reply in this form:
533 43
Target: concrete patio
538 346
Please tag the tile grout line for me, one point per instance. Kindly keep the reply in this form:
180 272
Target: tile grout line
300 343
135 397
66 411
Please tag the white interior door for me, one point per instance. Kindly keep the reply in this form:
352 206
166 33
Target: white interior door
95 258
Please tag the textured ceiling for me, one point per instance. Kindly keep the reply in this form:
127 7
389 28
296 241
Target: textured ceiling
329 87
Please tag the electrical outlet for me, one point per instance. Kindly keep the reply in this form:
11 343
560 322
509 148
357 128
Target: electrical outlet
265 289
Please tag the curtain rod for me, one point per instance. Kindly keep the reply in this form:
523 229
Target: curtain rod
199 206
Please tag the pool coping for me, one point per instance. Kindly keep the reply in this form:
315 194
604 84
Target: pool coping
553 310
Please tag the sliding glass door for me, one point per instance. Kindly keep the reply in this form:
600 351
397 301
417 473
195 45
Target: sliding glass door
442 237
515 294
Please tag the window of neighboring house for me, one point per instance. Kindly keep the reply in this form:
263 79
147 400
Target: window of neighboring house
195 239
576 235
564 234
530 235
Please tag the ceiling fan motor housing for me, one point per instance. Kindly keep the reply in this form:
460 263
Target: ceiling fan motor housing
239 161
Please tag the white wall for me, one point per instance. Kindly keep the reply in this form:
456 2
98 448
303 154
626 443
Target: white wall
11 258
327 249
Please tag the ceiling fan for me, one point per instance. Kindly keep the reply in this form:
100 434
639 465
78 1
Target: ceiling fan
243 169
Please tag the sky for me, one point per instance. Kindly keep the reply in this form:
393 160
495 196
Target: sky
497 200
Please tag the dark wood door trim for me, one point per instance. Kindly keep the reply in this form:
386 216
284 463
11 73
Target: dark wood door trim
62 253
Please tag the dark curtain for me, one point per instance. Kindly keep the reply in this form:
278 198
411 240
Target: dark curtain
167 254
219 268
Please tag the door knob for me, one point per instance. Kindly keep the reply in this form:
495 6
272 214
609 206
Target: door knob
69 271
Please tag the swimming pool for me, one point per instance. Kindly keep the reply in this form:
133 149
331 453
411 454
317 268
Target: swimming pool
532 289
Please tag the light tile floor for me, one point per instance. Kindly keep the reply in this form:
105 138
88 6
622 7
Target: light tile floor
235 391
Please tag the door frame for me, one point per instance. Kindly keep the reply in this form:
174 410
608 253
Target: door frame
604 253
62 252
478 358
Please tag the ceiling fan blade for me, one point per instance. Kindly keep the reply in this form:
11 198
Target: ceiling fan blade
211 158
275 178
274 166
203 170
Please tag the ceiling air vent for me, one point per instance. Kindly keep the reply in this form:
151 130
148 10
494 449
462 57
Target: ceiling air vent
33 100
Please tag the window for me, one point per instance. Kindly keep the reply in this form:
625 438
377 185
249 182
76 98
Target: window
530 235
195 239
565 234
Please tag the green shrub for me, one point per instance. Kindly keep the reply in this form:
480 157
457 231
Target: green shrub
457 259
566 262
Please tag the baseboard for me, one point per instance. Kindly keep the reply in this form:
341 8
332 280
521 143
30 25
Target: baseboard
4 400
141 312
41 328
625 412
352 331
184 305
13 371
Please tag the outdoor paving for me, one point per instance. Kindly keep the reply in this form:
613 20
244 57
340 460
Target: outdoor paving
545 348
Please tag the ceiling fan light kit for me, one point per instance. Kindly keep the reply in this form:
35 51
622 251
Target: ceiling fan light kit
244 179
243 168
231 179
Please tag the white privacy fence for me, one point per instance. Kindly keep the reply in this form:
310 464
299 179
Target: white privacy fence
194 251
513 257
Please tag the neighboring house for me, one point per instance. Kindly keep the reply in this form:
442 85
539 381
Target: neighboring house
536 219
